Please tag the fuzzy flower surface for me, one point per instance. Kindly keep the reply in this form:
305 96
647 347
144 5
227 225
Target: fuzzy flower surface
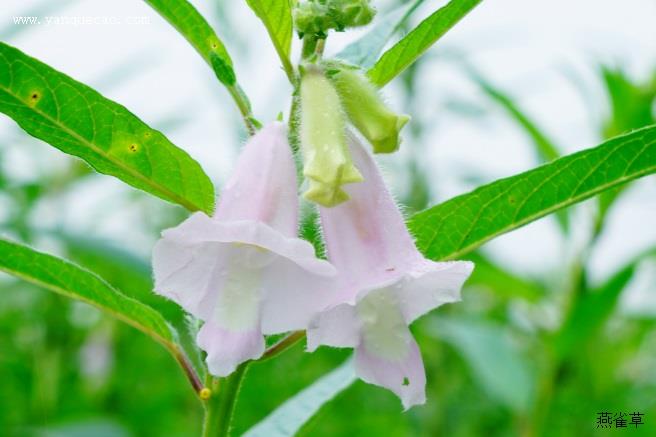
383 284
243 271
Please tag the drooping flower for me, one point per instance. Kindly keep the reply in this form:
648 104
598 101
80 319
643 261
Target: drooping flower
243 271
327 162
367 110
384 284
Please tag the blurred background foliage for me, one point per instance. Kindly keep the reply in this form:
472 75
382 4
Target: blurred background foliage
521 355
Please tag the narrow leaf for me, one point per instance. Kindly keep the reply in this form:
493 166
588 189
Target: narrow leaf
591 310
192 25
463 223
545 148
415 43
76 119
365 50
277 18
288 419
72 281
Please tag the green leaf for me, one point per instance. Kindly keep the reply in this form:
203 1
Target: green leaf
79 121
495 360
192 25
288 419
77 283
277 18
593 308
631 104
365 50
459 225
415 43
545 147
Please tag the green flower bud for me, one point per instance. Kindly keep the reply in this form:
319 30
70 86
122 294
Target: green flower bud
317 17
367 110
352 13
327 160
311 18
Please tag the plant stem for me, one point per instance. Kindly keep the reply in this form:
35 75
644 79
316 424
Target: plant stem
221 404
318 50
309 45
244 107
283 345
189 371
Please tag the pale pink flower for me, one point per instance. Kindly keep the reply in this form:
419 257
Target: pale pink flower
243 271
384 284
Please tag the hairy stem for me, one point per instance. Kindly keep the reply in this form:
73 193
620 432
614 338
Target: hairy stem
221 403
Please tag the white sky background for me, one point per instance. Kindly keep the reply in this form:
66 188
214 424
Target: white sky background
529 47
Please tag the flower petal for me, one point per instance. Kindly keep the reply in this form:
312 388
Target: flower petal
199 229
337 326
404 376
431 284
263 185
183 272
292 296
227 349
233 272
366 237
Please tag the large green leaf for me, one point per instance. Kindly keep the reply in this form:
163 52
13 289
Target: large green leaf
192 25
415 43
76 119
288 419
365 50
463 223
75 282
277 18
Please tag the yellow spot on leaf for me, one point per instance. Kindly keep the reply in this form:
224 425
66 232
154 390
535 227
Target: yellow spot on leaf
34 98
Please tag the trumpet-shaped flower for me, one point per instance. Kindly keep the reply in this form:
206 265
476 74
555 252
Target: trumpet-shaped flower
243 271
384 284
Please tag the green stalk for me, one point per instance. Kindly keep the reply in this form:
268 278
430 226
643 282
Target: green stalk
221 403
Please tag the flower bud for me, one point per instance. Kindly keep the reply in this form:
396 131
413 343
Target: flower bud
327 160
312 18
352 13
367 110
317 17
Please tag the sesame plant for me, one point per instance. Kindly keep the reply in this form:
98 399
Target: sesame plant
244 276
